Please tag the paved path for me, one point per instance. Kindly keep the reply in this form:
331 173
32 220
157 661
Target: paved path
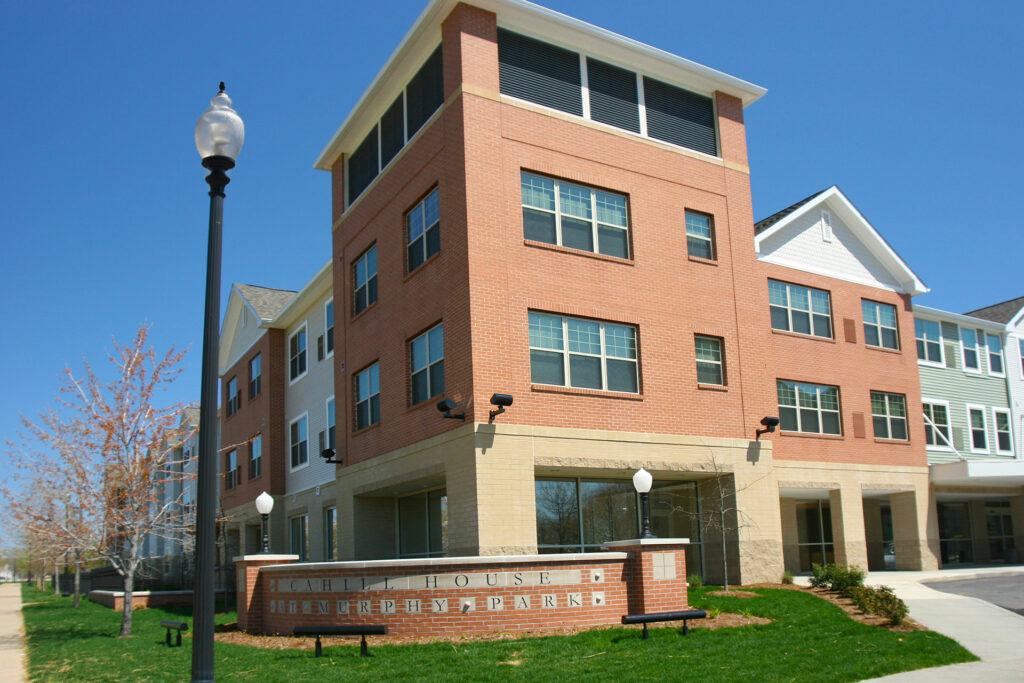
12 634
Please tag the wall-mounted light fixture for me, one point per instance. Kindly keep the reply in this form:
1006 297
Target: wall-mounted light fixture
328 456
502 401
446 406
770 423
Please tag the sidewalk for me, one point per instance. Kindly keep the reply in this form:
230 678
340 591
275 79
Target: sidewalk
994 634
12 634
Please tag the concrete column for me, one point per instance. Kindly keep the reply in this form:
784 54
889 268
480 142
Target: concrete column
1017 517
758 521
847 508
790 535
979 531
915 530
505 495
873 534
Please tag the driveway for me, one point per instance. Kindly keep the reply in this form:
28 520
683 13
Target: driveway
1005 591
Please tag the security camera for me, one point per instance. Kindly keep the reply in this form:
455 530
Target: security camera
770 423
502 401
328 455
446 406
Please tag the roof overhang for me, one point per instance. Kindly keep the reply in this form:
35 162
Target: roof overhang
978 473
958 318
539 22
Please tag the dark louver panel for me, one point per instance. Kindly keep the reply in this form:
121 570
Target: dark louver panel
613 95
538 72
362 166
392 132
680 116
425 92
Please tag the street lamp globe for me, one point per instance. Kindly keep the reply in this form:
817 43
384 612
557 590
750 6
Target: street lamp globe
642 481
220 131
264 503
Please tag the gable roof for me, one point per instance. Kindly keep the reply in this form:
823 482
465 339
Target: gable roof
264 301
1000 313
766 223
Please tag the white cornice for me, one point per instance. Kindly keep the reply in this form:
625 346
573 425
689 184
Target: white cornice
958 318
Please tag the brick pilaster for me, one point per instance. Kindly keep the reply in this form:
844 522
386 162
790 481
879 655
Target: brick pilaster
655 574
249 593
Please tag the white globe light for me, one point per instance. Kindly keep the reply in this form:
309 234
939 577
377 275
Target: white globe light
264 503
220 131
642 481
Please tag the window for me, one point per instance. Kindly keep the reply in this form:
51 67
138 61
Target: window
976 422
367 390
699 235
424 224
800 309
995 354
574 216
1001 419
255 372
889 413
234 400
710 366
880 325
423 524
330 533
427 355
936 425
679 116
331 440
299 442
929 340
298 536
329 326
365 280
297 354
600 355
810 408
256 456
232 478
969 344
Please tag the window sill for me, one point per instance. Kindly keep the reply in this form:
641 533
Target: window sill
360 314
299 378
298 468
712 387
598 393
701 259
892 442
883 349
431 401
366 429
810 435
810 337
577 252
417 270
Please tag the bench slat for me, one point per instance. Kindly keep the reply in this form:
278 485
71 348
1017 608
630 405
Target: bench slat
350 630
664 616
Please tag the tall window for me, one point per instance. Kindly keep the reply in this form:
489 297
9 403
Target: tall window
365 279
424 224
929 340
699 235
889 414
969 344
427 354
256 456
330 533
574 216
810 408
600 355
880 325
234 400
995 354
297 354
231 478
298 536
1001 419
936 425
422 524
255 372
710 365
329 326
800 309
367 390
331 440
299 442
976 421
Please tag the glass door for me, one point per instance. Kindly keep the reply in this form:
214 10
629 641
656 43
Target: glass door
814 530
955 542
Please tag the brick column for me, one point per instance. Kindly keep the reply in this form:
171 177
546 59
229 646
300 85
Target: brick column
249 593
655 573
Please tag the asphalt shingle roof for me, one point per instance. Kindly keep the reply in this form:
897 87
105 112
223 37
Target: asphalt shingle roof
766 223
265 301
1000 313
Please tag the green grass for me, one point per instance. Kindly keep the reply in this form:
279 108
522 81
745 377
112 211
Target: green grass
809 640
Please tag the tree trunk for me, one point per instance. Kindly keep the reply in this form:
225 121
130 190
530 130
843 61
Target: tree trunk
78 576
56 578
126 612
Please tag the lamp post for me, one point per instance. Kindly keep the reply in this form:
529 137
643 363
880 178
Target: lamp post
642 481
264 504
219 136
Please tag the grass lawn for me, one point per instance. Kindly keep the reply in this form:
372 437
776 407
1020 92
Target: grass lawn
809 640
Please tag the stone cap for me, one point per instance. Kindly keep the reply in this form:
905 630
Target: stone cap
630 543
265 557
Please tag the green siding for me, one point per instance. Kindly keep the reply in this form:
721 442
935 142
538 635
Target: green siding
960 388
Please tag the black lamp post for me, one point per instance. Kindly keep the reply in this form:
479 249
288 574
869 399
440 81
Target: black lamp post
642 481
219 136
264 505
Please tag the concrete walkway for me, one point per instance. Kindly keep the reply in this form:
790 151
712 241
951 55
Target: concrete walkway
994 634
12 634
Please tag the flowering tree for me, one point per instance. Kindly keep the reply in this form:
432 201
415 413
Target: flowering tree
107 455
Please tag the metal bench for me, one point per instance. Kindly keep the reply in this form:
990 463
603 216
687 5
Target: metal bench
179 626
683 615
360 630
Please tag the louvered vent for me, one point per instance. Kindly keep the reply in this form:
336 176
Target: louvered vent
539 72
613 97
425 92
826 226
679 116
362 166
392 131
951 344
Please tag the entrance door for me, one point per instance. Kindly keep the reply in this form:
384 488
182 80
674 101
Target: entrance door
955 541
999 523
814 529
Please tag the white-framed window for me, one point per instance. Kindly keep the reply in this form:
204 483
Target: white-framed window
234 400
426 353
808 408
297 355
298 536
255 376
936 424
995 355
231 478
329 327
978 429
331 434
256 456
574 216
1020 348
1004 438
803 310
367 394
364 274
298 441
423 225
880 325
600 355
969 349
889 415
710 362
700 235
928 335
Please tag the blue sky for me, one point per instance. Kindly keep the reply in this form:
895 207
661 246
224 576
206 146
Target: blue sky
912 108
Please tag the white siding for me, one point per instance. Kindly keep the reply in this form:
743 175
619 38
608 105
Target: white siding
1015 382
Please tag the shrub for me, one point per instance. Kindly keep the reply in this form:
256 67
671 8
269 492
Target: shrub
787 578
695 581
836 577
821 576
888 605
863 598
